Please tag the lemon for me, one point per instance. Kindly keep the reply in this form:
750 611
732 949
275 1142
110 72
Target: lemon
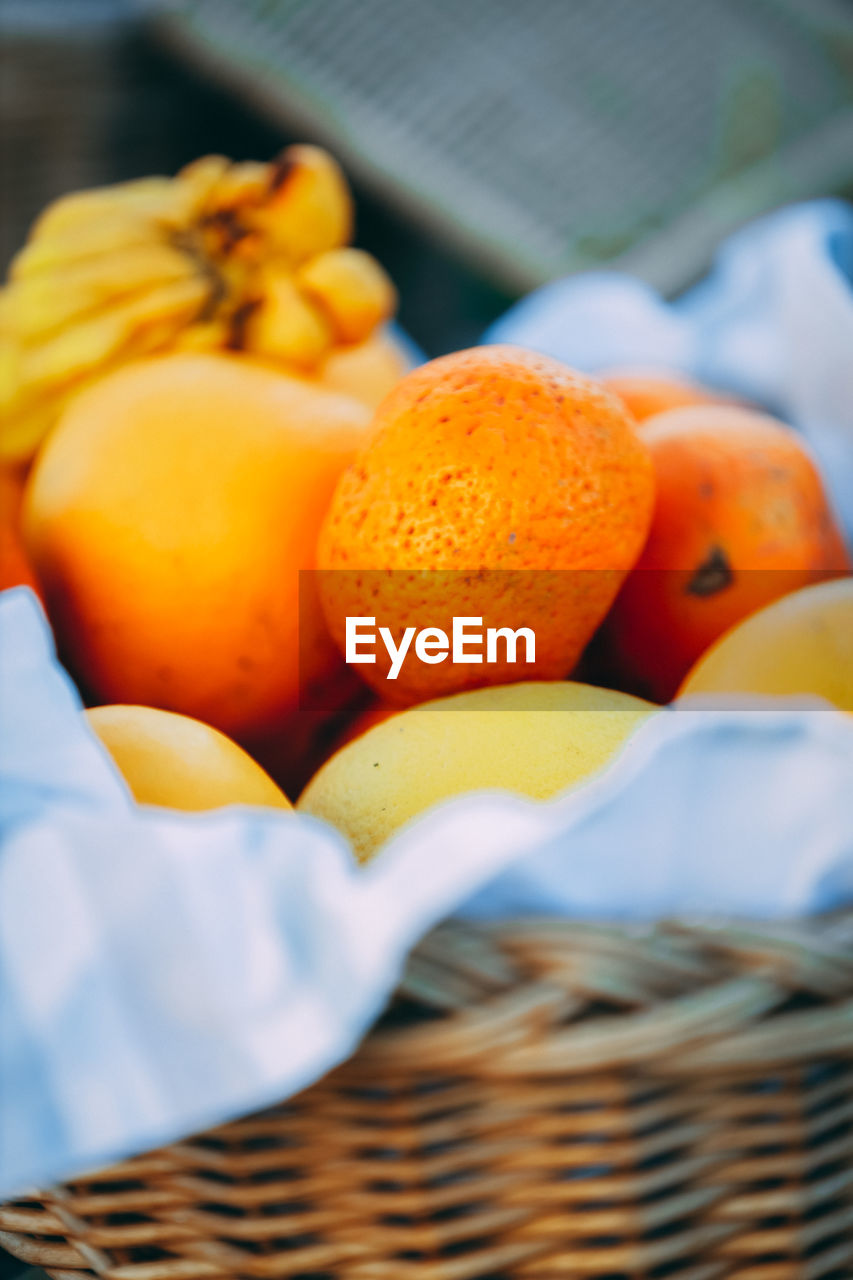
179 763
801 644
535 739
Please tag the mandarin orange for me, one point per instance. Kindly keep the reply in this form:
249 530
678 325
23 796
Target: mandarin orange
15 567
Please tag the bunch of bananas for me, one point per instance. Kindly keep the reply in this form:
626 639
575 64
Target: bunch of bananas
243 257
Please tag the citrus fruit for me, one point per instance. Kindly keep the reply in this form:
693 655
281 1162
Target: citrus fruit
498 484
652 391
168 517
801 644
179 763
535 739
741 518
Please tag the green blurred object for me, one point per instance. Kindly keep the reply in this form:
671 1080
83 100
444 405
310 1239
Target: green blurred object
555 135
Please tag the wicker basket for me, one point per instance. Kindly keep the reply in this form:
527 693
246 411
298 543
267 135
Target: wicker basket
543 1100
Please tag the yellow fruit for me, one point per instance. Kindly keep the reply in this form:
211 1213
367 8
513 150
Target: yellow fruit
535 739
154 198
287 326
310 208
351 289
23 430
220 257
801 644
179 763
235 186
199 178
85 346
49 300
113 231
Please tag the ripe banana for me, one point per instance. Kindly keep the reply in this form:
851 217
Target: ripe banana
244 257
350 288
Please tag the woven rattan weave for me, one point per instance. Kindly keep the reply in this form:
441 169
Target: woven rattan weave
542 1100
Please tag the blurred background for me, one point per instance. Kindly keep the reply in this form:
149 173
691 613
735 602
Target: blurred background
492 144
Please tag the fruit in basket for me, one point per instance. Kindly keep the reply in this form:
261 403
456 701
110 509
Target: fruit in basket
368 370
499 484
168 517
535 739
179 763
801 644
741 518
647 392
376 712
248 257
15 567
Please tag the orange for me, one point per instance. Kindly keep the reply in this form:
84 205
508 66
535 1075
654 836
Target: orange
646 392
168 517
741 518
517 489
179 763
15 567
